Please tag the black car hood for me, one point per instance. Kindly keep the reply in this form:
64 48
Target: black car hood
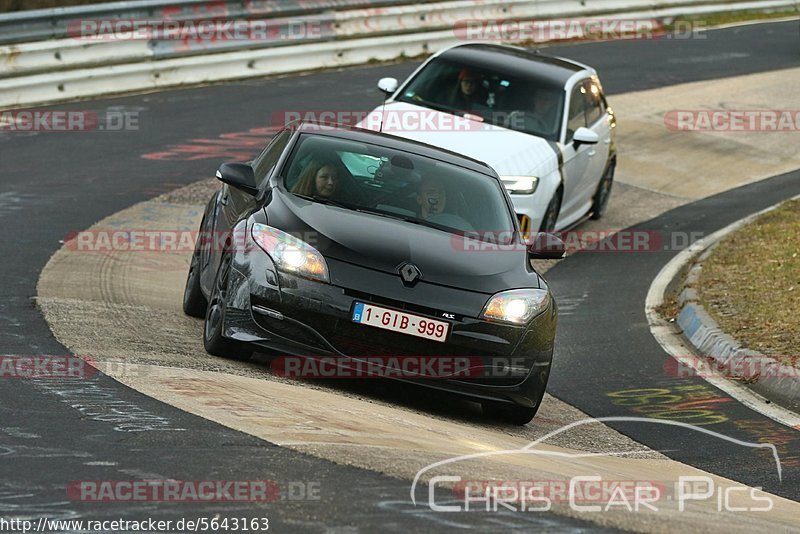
385 244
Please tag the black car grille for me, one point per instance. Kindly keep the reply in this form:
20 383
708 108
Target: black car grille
399 305
362 340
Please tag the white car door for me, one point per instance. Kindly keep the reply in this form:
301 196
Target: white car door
599 121
576 160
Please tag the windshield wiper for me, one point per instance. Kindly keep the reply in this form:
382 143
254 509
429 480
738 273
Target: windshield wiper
358 208
433 106
390 215
327 201
397 216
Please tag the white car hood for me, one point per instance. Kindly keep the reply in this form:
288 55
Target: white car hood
508 152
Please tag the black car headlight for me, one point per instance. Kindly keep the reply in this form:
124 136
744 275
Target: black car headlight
291 254
520 185
516 306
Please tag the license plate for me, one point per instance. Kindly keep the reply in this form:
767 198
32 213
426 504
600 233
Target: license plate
397 321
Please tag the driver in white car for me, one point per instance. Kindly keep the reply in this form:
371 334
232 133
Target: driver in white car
545 109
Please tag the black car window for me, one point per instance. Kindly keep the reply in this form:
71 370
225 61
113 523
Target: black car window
394 183
270 156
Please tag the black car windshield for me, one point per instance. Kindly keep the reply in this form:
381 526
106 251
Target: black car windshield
402 185
525 104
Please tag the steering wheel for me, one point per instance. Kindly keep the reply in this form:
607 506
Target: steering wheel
530 121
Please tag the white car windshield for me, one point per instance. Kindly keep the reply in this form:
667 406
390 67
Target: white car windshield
524 104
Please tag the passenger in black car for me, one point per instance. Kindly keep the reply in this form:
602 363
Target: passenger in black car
319 178
431 197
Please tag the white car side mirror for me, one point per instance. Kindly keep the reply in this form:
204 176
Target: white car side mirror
387 85
584 136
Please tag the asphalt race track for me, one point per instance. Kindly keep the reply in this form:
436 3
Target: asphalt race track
605 347
52 433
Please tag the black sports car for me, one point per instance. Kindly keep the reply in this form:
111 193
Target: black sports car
351 246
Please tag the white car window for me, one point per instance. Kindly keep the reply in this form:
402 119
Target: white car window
594 102
577 110
524 103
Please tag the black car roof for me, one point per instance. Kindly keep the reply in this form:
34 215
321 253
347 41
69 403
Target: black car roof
398 143
514 61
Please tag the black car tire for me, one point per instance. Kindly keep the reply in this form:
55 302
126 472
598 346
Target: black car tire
603 193
551 214
213 340
194 302
508 413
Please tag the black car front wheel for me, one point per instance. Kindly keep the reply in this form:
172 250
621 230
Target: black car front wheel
194 302
213 340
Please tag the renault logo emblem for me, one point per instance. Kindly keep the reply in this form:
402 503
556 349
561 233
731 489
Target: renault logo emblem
410 273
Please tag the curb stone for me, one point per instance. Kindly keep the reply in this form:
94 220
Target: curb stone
777 382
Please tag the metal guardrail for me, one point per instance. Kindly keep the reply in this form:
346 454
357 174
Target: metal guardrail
349 21
64 69
43 24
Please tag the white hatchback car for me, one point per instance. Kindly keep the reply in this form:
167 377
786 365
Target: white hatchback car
541 122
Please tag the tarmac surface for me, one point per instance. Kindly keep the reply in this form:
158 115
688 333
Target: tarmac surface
54 184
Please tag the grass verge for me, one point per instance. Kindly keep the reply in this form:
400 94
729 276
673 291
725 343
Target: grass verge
750 284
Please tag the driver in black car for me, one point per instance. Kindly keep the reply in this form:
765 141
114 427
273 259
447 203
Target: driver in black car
431 197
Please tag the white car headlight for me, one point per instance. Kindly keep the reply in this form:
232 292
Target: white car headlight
520 185
516 306
291 254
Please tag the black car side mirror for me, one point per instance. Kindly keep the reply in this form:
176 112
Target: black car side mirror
545 246
238 175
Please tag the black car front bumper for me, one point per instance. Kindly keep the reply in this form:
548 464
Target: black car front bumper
287 314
